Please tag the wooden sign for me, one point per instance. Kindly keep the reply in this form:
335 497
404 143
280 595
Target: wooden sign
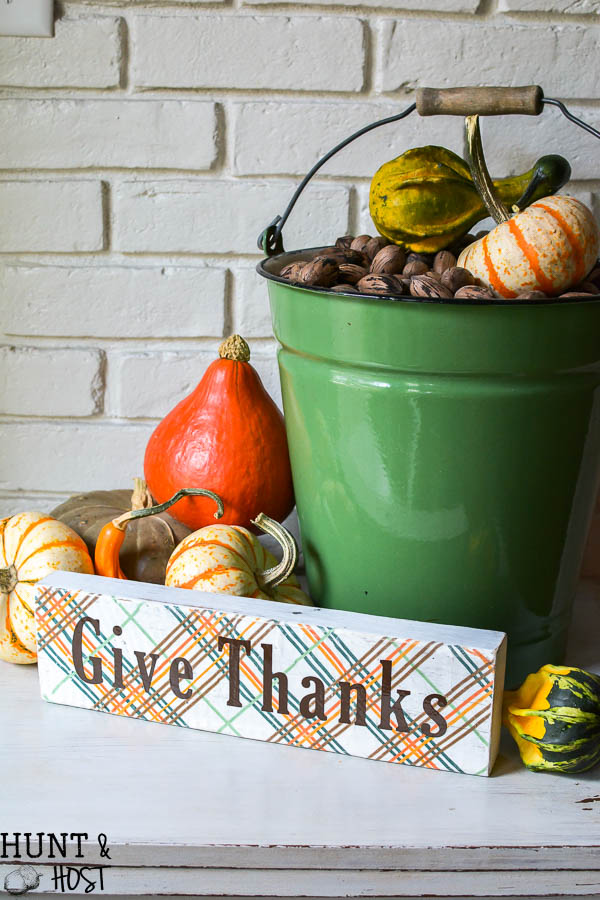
359 685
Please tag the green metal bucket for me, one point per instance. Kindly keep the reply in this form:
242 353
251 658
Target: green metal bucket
445 455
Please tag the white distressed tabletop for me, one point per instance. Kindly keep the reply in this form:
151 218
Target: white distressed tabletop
191 813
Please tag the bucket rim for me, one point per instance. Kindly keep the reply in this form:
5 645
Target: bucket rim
288 257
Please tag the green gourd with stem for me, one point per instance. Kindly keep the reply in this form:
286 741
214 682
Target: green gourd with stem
426 199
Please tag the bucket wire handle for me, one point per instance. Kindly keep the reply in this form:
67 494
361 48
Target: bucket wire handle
270 240
487 101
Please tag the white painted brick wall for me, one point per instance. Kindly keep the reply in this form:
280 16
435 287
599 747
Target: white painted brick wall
145 147
572 7
112 301
13 502
61 456
219 216
150 384
490 52
67 381
262 129
251 313
467 6
548 133
276 52
78 134
51 216
84 53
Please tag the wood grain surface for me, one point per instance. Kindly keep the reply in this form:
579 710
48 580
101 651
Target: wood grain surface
191 813
483 101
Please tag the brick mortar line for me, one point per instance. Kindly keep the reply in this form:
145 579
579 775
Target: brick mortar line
133 6
323 179
262 348
134 254
39 259
370 56
322 10
10 494
78 421
219 95
230 116
36 259
139 176
229 305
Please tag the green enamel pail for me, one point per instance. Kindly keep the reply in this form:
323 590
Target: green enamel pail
445 455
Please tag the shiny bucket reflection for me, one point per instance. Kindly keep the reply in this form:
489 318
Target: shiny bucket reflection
445 456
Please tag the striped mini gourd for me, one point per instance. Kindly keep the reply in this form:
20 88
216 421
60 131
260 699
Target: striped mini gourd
31 545
555 719
229 559
550 246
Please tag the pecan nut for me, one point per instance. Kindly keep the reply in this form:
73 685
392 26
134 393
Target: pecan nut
456 277
360 242
352 273
588 287
292 271
374 246
443 260
473 292
389 261
415 267
380 284
427 286
322 271
341 255
344 289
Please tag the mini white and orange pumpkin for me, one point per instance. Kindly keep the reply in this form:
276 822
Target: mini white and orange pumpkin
229 559
220 559
32 544
550 246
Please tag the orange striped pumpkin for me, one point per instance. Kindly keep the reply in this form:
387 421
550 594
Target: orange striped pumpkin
550 246
228 559
31 545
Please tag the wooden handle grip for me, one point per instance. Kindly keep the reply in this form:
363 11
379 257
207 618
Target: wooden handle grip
483 101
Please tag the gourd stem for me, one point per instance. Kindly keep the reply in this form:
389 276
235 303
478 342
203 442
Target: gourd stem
270 578
480 174
235 348
141 498
122 521
8 580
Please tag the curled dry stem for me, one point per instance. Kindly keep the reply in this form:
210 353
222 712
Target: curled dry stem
480 174
270 578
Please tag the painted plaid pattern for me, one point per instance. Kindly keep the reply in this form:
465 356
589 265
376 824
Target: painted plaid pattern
464 676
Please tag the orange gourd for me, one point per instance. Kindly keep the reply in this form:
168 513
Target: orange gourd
112 535
229 435
32 544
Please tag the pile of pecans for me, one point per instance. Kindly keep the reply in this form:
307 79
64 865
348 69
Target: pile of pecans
373 265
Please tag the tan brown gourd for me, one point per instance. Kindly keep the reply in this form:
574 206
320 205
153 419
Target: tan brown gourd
149 541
